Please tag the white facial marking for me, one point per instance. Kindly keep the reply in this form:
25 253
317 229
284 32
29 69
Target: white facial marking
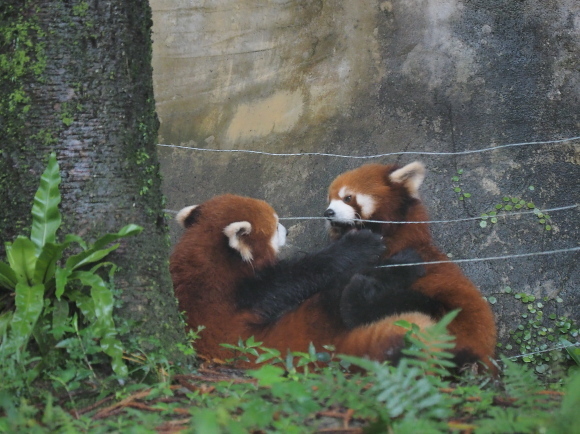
279 238
235 231
342 192
367 205
342 212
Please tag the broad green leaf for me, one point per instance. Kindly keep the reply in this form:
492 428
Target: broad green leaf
573 351
5 319
126 231
42 335
88 256
7 276
59 318
94 269
264 357
85 304
72 238
22 259
268 375
104 326
29 302
46 263
46 217
114 349
66 342
61 278
101 295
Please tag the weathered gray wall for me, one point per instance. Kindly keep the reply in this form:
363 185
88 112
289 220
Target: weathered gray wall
371 77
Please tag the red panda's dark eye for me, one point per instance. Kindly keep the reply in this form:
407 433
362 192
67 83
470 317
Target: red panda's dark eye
347 199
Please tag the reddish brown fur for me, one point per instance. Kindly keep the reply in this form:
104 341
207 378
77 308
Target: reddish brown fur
205 272
474 327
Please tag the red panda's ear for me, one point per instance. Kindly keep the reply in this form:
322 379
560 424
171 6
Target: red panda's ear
236 232
411 176
187 216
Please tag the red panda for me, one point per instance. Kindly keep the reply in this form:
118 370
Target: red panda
227 277
390 193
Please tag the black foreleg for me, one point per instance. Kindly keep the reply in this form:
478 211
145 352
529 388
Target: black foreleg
281 288
386 291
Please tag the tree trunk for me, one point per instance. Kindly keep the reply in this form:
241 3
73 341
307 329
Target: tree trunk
78 80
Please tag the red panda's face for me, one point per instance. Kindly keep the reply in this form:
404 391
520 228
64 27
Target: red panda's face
372 192
248 226
347 205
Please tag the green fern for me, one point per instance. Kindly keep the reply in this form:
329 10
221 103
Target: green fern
568 418
528 409
521 384
406 391
428 349
412 390
511 420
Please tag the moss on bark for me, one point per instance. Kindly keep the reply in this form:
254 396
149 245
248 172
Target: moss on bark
93 105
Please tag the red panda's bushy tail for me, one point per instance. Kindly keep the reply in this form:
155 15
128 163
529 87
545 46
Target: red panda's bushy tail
381 340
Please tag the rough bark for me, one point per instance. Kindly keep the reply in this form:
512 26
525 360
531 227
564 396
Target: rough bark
93 105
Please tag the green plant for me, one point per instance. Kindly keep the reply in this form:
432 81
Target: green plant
60 304
80 9
143 160
411 390
22 56
428 348
297 362
269 399
192 336
538 332
243 350
514 204
567 417
457 186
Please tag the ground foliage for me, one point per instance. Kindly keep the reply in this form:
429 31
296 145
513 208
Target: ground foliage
282 397
66 366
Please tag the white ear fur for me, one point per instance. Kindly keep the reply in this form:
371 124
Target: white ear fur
235 231
183 214
411 176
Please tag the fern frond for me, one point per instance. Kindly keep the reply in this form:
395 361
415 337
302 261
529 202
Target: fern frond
519 381
428 349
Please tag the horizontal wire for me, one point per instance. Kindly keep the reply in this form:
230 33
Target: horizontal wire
542 211
489 258
321 154
545 351
509 214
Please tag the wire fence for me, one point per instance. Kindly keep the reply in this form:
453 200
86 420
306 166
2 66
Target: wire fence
365 157
561 347
429 153
481 217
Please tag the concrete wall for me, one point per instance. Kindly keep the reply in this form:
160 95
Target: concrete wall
367 77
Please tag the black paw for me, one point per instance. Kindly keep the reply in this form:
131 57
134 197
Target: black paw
357 301
407 256
363 242
366 299
406 273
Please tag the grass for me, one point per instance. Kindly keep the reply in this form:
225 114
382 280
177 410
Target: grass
216 398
